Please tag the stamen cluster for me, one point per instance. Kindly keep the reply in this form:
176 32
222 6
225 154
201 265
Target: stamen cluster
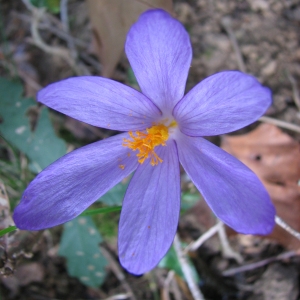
145 143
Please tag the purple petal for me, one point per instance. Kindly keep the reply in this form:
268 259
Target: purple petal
159 50
100 102
72 183
222 103
232 190
150 212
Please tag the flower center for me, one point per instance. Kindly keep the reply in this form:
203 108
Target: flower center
145 142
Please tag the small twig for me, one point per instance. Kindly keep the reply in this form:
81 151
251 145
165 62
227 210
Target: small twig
203 238
227 251
45 25
37 14
280 123
118 272
175 290
286 227
92 61
28 5
119 297
187 270
65 22
64 15
226 23
167 282
71 45
295 89
259 264
66 37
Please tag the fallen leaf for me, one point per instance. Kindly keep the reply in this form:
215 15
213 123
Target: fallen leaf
275 157
111 20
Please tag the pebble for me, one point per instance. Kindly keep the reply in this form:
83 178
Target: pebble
269 69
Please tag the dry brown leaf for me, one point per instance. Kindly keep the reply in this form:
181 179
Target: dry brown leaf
275 157
111 20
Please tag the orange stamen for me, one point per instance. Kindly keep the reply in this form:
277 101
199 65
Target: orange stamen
145 143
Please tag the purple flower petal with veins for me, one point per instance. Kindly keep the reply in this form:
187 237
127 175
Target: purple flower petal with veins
163 129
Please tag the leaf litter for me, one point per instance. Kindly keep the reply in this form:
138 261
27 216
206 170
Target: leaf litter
275 157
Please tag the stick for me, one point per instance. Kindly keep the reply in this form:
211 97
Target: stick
203 238
118 272
259 264
226 249
226 23
295 89
65 21
187 270
280 123
37 15
287 228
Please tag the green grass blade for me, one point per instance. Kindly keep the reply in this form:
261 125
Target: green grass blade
88 212
7 230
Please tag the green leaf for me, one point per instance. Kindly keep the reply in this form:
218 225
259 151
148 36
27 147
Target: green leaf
52 5
131 78
102 210
116 194
188 200
41 146
80 246
46 145
170 261
7 230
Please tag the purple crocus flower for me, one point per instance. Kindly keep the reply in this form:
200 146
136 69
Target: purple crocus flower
162 128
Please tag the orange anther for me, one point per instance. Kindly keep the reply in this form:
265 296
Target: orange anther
145 143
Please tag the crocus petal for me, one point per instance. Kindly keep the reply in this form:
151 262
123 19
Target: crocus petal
150 212
222 103
159 50
72 183
232 190
100 102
